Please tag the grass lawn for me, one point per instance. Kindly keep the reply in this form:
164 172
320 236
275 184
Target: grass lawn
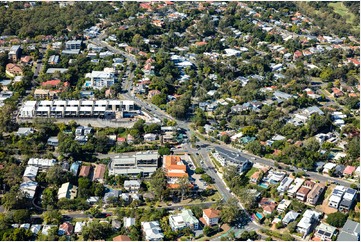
195 160
251 172
341 9
216 163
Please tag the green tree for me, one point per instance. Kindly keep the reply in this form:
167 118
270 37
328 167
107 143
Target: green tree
207 230
49 198
14 199
230 211
353 147
207 178
249 130
21 216
163 151
52 217
96 231
18 234
199 170
158 184
159 99
249 235
183 186
337 219
200 118
292 226
94 212
84 187
255 147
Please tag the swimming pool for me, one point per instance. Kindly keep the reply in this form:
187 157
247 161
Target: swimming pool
259 215
263 185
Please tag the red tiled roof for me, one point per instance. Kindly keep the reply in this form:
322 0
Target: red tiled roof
121 139
12 68
84 171
121 238
51 83
298 54
26 59
99 171
200 43
212 213
349 170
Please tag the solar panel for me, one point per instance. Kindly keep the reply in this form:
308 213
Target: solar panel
321 232
327 234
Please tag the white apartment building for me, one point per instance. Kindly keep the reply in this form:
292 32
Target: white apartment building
42 164
132 165
76 108
100 79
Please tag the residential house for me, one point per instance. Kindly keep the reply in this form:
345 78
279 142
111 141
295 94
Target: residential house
30 173
54 70
116 224
348 171
348 200
302 193
336 196
29 188
132 185
350 231
339 169
121 238
84 171
53 141
290 217
66 228
150 137
316 192
283 205
210 216
79 227
336 92
284 185
67 191
35 228
152 231
308 220
13 70
26 60
183 220
111 194
92 200
267 205
257 176
53 60
74 168
327 168
152 93
99 172
127 222
132 165
24 131
43 164
46 229
325 232
295 186
14 53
